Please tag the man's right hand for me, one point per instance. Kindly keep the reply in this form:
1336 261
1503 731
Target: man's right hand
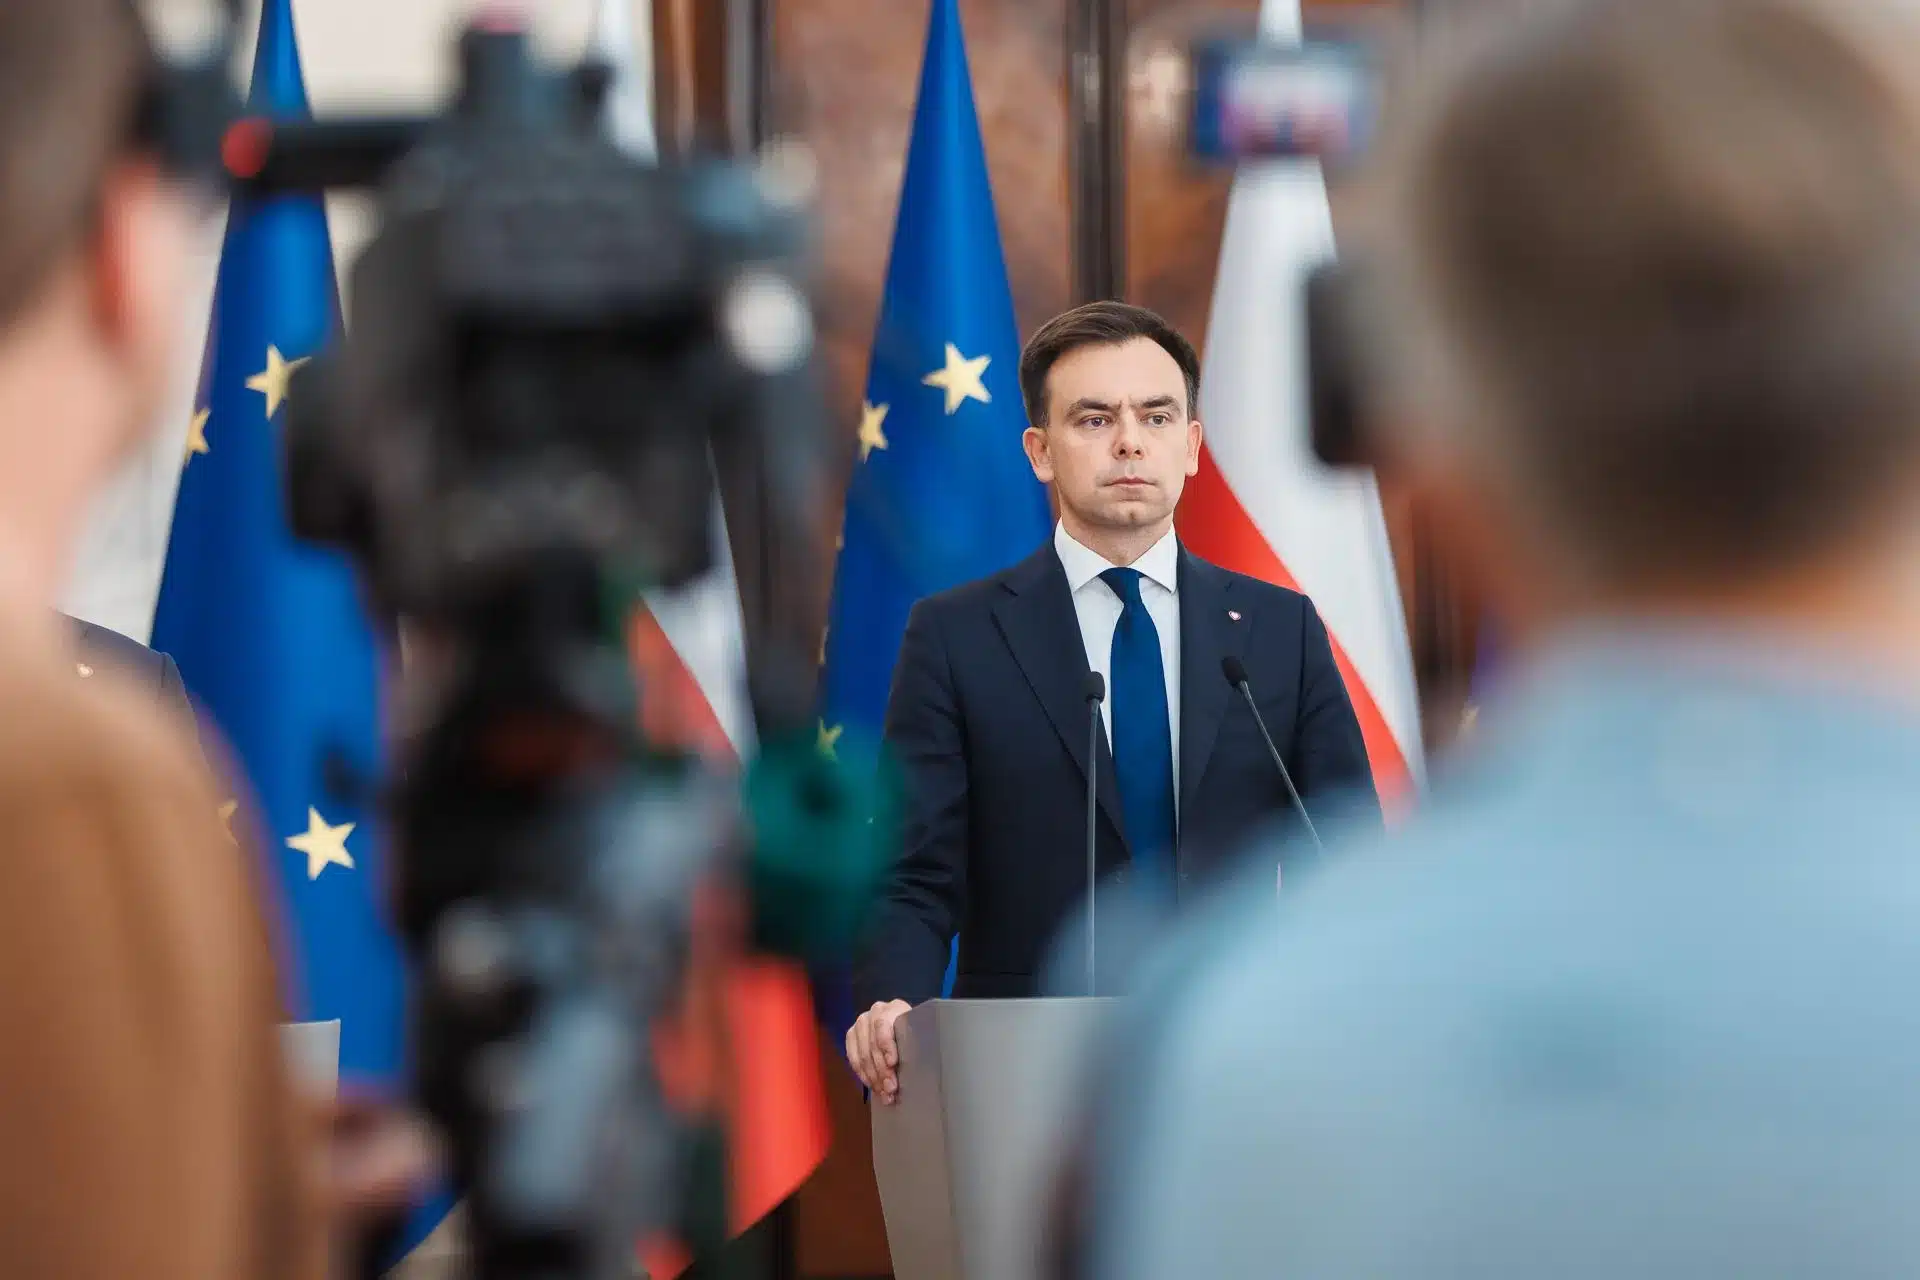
872 1051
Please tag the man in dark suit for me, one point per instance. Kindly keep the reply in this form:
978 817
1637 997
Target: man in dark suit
99 649
990 708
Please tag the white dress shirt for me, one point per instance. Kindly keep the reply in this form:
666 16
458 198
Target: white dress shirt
1099 609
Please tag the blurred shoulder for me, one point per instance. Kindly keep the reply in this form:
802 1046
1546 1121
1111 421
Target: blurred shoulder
1278 1012
1464 838
99 648
109 806
1356 938
89 724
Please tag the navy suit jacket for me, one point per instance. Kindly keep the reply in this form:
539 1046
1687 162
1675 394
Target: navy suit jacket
988 716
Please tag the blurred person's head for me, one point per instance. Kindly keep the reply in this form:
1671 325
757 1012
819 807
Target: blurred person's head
1652 303
94 243
1110 393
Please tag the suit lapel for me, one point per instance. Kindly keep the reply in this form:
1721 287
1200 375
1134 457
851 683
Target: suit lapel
1037 619
1208 633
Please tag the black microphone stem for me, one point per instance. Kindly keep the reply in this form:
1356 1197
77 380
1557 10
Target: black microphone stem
1237 677
1096 694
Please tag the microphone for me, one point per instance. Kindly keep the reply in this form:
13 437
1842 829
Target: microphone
1095 694
1236 673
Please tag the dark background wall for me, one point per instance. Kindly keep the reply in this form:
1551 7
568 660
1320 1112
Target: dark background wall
1093 201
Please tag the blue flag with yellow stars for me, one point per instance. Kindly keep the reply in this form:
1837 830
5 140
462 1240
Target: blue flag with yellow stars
270 634
941 491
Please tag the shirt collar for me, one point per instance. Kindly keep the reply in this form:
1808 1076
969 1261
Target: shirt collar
1160 564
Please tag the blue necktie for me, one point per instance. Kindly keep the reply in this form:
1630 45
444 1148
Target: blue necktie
1142 740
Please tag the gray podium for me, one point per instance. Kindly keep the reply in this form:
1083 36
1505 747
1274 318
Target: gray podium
965 1158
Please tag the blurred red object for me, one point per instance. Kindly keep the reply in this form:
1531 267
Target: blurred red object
745 1045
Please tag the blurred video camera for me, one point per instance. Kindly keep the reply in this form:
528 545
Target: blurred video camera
549 345
1252 101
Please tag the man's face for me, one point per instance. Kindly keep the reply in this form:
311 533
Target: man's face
1120 439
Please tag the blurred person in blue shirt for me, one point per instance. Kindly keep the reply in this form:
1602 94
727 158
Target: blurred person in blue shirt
1632 996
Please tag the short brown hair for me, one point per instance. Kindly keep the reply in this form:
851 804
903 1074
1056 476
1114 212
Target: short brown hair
1659 263
70 80
1099 324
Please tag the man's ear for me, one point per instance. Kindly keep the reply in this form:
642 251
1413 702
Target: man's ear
141 241
1039 453
110 252
1196 435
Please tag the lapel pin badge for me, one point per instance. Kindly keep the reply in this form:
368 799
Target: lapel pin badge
1234 614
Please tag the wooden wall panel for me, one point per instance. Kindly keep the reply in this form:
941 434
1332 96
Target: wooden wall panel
843 76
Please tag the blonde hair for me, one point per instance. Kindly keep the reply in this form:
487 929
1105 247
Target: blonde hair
1657 262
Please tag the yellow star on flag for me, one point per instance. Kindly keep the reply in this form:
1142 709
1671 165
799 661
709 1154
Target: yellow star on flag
324 845
196 436
227 811
272 381
961 378
871 436
829 739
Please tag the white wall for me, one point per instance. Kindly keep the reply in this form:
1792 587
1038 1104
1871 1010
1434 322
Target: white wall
387 55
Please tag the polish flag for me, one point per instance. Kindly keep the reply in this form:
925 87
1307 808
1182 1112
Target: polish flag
1262 504
689 651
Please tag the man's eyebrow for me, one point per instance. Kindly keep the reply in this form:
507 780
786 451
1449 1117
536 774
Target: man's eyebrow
1084 403
1159 402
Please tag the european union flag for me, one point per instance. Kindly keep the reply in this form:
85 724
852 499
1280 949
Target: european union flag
270 635
942 492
